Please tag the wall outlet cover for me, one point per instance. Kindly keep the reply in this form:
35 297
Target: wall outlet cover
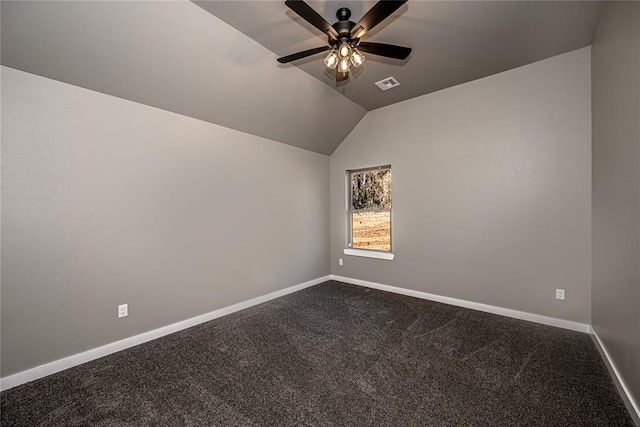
123 310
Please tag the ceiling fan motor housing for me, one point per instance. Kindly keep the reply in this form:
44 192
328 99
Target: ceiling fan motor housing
343 26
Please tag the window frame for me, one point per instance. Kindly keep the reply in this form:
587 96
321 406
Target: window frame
368 253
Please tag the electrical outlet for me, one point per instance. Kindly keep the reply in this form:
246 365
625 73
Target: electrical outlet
340 261
123 310
560 294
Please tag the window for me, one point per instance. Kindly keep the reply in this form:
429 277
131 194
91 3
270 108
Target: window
370 211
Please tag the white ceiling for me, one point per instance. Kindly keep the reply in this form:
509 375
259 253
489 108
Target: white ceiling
453 42
216 60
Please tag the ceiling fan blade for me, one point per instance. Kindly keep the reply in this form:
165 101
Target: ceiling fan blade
340 76
388 50
375 15
303 54
307 13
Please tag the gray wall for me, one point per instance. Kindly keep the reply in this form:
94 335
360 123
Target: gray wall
616 187
106 201
491 189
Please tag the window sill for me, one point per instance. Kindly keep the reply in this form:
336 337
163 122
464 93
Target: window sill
369 254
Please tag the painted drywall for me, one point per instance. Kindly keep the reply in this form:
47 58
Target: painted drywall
616 187
106 201
491 189
176 56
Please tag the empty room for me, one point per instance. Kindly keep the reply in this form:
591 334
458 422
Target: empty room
320 213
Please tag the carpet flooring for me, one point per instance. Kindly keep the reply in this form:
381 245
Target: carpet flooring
336 354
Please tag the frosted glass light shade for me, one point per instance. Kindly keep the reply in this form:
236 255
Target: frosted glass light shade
344 50
344 65
332 59
357 58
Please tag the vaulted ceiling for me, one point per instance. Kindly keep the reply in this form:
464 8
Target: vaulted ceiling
175 56
216 60
453 42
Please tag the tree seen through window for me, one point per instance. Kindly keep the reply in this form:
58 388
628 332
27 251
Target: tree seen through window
370 209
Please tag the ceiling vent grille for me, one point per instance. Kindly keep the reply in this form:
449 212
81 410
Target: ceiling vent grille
388 83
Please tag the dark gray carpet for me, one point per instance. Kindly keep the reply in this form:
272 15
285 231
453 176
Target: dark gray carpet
336 354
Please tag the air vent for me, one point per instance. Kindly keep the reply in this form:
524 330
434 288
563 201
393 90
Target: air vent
387 83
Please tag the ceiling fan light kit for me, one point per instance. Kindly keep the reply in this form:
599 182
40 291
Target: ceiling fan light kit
346 56
344 36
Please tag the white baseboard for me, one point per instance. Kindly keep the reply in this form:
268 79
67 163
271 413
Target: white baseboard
80 358
614 368
522 315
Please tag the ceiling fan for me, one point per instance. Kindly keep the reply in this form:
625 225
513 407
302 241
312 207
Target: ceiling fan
344 36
